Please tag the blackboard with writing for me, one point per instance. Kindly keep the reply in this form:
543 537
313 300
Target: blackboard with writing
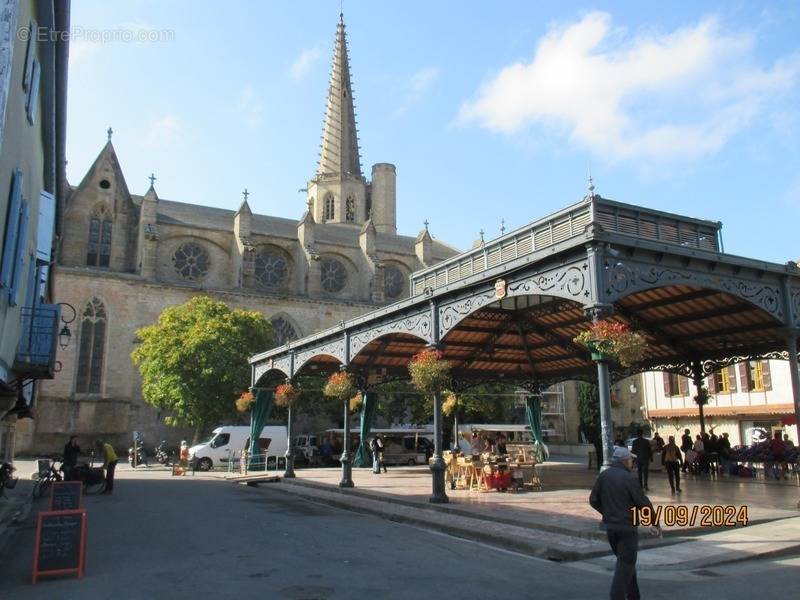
60 543
66 495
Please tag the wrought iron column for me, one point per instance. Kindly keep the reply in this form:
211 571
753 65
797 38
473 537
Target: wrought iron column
438 466
702 397
289 456
346 458
794 376
606 424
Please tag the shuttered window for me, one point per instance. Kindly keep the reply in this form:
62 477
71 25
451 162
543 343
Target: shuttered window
12 227
723 383
675 385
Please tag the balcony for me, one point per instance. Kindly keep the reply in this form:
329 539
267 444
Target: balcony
36 352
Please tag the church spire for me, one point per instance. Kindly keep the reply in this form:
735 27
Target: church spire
339 156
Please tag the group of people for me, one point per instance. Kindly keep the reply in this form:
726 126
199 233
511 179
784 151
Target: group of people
104 450
706 452
479 443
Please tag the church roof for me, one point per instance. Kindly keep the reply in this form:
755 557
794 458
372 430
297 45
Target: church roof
340 152
107 154
209 217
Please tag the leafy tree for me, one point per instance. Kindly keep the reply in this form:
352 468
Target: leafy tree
589 411
193 361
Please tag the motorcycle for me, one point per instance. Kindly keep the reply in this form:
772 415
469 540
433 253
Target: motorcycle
141 455
163 456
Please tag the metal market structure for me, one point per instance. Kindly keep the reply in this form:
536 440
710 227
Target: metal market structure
509 310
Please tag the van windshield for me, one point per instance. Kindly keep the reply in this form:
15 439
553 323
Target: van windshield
219 440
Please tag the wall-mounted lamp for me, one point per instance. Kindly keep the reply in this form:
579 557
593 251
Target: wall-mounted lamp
65 335
633 388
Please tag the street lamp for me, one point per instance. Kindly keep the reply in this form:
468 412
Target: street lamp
65 335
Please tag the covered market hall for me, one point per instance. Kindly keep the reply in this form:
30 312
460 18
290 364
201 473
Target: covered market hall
509 310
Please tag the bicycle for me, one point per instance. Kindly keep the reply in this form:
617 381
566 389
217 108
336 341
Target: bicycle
48 474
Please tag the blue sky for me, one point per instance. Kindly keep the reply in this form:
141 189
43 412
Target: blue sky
489 110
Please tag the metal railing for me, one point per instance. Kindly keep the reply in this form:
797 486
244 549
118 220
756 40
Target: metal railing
36 351
242 463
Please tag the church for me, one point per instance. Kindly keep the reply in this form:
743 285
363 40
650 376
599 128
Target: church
123 258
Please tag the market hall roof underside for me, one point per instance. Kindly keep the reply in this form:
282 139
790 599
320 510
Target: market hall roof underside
509 309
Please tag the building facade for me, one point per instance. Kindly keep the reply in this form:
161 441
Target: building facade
124 258
33 74
748 400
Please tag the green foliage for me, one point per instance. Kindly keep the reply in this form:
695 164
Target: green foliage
589 411
193 361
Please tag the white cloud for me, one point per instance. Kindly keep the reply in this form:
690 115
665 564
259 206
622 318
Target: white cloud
673 96
250 107
416 87
303 63
163 131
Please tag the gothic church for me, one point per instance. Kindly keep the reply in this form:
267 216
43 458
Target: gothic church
124 257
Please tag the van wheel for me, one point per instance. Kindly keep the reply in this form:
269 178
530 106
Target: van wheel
412 462
204 464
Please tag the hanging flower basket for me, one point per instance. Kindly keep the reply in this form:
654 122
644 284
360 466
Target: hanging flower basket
355 402
450 403
610 340
245 401
429 373
340 386
286 394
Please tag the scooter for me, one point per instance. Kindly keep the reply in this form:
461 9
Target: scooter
141 456
163 455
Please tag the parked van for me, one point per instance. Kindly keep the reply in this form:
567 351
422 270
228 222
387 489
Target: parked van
227 442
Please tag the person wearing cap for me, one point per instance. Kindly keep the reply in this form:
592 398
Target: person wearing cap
615 492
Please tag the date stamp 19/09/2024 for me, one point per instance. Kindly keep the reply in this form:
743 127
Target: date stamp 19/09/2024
682 515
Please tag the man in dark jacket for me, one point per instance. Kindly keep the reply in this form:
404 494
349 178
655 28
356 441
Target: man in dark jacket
686 445
644 456
614 494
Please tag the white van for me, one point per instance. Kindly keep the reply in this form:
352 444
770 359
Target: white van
227 442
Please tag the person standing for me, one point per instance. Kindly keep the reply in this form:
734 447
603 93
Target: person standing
376 461
670 458
686 447
724 450
381 445
778 449
644 456
614 494
71 452
106 451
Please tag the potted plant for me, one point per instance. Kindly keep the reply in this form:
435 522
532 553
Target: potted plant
245 401
340 385
429 372
286 394
611 340
355 402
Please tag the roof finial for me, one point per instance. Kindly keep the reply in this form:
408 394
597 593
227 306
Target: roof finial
426 224
109 132
245 193
591 184
502 226
481 232
152 179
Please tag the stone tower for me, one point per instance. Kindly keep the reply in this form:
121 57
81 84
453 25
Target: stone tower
339 192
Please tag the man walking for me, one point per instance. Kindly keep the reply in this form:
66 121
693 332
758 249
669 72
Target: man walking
670 457
686 446
644 456
614 494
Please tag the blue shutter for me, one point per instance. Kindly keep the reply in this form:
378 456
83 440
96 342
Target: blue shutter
45 226
33 93
19 267
12 225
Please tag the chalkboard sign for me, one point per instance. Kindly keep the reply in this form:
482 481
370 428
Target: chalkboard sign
60 546
66 495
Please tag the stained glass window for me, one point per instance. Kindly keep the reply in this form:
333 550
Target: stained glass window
350 210
98 254
334 275
271 268
91 349
191 261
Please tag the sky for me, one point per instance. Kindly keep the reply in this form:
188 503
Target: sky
493 112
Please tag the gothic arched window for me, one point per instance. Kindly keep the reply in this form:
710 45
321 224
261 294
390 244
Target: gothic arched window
282 331
329 212
393 282
333 275
191 261
92 348
350 210
98 253
271 268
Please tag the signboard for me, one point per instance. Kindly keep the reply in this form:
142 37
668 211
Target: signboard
60 546
500 289
66 495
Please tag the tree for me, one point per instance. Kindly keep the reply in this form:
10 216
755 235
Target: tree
193 361
589 411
